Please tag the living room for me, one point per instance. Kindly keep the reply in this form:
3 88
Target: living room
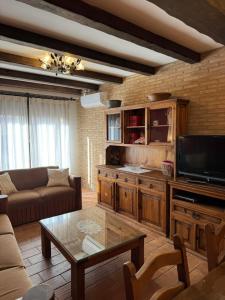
112 139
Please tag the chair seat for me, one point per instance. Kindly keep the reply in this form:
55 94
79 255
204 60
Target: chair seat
14 283
5 225
9 254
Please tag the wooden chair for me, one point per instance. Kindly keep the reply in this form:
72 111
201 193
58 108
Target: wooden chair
215 245
135 283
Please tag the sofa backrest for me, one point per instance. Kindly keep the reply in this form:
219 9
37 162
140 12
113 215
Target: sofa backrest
27 179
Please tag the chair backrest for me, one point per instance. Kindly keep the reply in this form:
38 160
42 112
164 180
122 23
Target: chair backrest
135 282
215 245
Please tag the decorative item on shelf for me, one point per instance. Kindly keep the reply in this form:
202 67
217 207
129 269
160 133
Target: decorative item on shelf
167 168
155 123
170 129
134 136
113 103
61 63
140 141
135 120
159 96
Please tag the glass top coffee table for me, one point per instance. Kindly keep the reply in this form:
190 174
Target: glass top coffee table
87 237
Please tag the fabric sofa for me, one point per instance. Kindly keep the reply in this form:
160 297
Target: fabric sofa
14 281
35 201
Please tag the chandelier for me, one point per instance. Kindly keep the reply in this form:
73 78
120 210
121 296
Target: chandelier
61 64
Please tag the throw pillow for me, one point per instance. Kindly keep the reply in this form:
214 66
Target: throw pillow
58 177
7 187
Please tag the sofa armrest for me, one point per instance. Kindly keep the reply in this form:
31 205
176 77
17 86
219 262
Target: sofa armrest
75 183
39 292
3 204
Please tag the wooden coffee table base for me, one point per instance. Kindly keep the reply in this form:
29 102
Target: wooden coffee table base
78 268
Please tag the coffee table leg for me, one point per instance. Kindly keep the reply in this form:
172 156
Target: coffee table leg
45 244
137 254
77 282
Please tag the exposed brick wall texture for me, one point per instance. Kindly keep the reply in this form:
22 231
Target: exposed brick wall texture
202 83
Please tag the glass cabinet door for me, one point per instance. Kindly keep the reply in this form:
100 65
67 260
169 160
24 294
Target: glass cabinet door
114 127
161 125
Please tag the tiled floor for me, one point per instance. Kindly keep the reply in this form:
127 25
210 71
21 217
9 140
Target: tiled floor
105 280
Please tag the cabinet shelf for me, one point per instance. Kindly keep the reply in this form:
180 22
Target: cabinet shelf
161 144
135 127
158 126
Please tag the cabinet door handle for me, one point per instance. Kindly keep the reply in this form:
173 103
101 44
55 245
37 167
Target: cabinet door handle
125 194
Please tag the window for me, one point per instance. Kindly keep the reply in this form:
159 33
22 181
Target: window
40 138
14 146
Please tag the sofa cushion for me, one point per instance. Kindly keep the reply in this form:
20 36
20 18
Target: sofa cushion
59 177
5 225
23 198
9 254
14 283
60 192
7 187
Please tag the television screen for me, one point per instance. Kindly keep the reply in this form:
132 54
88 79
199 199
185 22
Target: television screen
201 156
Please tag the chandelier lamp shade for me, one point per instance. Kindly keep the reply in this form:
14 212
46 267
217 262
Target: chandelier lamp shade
61 63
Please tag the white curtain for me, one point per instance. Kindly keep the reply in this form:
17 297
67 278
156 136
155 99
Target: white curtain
14 141
50 132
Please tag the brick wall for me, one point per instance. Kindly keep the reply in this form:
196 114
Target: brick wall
202 83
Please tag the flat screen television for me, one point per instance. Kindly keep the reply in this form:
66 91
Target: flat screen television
202 157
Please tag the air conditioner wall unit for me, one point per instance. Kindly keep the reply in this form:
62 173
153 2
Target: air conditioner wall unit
92 100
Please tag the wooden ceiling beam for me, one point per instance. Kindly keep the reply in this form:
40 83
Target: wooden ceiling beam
96 18
14 74
99 76
206 16
40 87
35 40
35 63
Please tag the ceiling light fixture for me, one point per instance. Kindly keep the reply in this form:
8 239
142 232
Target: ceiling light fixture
61 64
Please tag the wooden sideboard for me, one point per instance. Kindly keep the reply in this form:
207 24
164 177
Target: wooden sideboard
141 197
141 135
189 219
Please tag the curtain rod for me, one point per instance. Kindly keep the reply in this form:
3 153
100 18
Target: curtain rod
36 96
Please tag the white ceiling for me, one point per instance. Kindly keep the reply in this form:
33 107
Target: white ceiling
27 17
140 12
151 17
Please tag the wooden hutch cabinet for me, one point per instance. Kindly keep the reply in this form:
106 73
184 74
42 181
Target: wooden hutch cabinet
141 136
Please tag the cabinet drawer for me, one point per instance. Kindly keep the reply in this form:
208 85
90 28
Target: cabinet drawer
107 173
127 178
195 214
151 184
